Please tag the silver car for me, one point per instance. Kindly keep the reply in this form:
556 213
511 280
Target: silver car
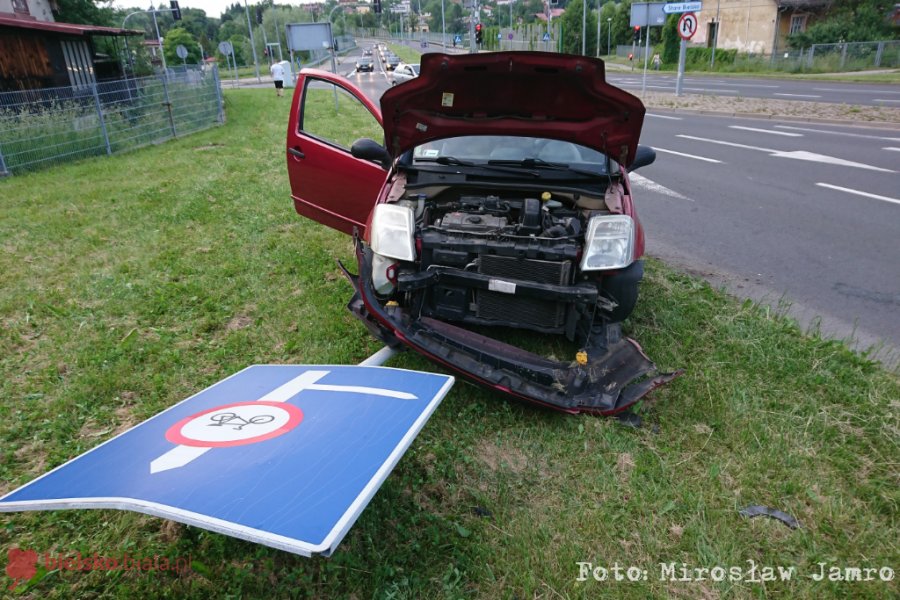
404 72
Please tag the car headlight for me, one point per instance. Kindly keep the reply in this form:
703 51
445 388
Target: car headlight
392 232
608 243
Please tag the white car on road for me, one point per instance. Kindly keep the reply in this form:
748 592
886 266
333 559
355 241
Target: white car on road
404 72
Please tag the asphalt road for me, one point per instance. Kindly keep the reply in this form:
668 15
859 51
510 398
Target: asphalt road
804 216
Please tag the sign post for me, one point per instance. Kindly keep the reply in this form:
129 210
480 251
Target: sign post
687 27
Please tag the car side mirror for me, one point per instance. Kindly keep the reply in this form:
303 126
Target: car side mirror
368 149
644 156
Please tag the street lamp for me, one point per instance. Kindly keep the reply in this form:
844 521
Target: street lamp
598 28
608 30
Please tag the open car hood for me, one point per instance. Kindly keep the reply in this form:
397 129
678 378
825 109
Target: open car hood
532 94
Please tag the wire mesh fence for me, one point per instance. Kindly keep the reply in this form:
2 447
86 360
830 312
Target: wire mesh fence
39 128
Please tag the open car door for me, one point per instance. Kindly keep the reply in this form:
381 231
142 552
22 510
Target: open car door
328 184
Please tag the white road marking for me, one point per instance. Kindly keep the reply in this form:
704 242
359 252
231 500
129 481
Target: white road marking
703 158
883 100
652 186
712 90
750 85
857 135
664 117
859 193
852 91
798 95
785 133
795 154
891 148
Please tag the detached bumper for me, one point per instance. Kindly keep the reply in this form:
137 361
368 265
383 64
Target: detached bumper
612 379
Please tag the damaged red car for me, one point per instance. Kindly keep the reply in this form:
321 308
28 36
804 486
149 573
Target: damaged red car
490 193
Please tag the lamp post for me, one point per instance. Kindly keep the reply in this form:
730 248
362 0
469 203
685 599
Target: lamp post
443 28
598 28
583 26
608 30
252 44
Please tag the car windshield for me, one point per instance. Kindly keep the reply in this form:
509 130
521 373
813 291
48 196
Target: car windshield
527 152
415 69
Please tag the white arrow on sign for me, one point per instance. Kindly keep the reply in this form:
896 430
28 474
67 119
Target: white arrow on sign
687 25
182 454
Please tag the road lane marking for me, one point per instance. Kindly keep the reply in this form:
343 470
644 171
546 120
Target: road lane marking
883 100
664 117
891 148
749 85
859 193
851 91
712 90
857 135
652 186
798 95
784 133
703 158
795 154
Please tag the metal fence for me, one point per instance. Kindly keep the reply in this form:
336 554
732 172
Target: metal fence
39 128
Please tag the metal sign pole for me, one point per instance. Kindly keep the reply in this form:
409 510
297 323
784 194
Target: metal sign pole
682 52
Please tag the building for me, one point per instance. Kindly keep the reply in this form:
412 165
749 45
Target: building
760 26
36 52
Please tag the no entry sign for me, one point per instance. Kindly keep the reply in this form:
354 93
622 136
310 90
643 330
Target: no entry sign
287 456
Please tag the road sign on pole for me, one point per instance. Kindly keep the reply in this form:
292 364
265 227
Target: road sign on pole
687 26
282 455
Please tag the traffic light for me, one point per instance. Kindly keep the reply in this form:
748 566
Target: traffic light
478 34
176 12
376 6
637 33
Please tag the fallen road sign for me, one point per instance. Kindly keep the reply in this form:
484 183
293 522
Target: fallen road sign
286 456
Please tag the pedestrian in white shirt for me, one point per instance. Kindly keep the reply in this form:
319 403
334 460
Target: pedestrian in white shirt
278 76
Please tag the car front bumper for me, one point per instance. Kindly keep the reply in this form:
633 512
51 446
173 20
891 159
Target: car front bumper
610 380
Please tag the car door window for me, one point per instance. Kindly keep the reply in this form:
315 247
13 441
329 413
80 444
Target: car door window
333 115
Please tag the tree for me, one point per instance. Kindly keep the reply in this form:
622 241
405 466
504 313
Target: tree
671 40
851 21
571 22
179 36
84 12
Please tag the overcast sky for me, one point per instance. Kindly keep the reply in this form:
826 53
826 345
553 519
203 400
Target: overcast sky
213 8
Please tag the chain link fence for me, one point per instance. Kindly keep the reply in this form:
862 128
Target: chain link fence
39 128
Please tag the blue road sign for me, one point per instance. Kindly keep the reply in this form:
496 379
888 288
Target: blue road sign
457 39
674 8
286 456
546 37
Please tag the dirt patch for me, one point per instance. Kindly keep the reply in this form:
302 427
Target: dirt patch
212 146
497 458
241 321
624 465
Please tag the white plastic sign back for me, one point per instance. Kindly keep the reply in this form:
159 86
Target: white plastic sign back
308 36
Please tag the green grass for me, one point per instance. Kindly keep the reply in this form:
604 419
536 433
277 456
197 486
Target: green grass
408 55
130 282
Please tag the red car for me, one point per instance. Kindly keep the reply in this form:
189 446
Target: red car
488 194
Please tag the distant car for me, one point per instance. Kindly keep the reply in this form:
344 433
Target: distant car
404 72
489 194
365 63
367 52
391 62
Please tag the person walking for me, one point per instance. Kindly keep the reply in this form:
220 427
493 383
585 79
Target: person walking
656 61
278 77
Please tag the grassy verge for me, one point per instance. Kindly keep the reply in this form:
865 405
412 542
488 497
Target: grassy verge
406 54
131 282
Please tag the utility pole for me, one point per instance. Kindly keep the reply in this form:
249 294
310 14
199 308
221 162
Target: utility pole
252 43
583 27
598 28
159 41
712 63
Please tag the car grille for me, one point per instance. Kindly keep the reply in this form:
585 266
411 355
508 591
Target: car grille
497 306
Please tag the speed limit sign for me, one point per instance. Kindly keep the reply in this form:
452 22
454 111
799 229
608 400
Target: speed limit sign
687 26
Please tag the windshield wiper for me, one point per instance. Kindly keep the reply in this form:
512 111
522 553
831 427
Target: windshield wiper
539 163
490 166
